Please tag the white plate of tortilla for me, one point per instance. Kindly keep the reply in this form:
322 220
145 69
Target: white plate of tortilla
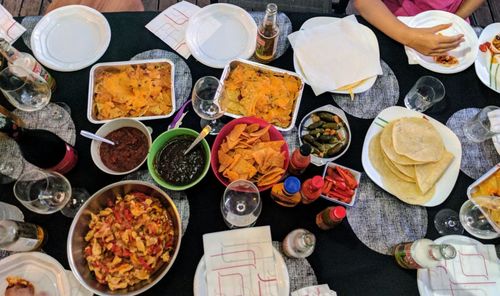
445 183
323 20
488 75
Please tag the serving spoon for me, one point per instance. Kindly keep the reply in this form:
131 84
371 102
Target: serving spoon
93 136
204 132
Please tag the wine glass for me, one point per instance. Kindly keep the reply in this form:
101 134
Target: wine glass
447 222
475 222
241 204
205 100
61 112
24 89
46 192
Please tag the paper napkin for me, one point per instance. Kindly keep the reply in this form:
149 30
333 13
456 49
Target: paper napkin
336 54
10 30
320 290
494 117
240 262
170 26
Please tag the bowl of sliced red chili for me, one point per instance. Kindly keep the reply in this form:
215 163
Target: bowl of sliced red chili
341 184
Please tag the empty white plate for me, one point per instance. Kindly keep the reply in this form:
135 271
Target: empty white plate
70 38
220 33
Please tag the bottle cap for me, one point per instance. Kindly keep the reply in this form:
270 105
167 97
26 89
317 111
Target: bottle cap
292 185
305 149
317 182
337 213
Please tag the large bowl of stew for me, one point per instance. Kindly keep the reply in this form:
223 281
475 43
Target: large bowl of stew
107 205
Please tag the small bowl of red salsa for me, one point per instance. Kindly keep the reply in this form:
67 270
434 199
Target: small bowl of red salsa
132 142
168 165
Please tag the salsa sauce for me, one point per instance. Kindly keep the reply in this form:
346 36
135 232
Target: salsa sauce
130 149
176 168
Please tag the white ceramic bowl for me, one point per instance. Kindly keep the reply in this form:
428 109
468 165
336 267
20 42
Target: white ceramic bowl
107 128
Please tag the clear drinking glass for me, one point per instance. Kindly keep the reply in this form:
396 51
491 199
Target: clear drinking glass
205 103
24 89
478 129
475 222
447 222
426 92
241 204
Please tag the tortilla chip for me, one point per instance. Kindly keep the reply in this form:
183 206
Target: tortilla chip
252 127
234 136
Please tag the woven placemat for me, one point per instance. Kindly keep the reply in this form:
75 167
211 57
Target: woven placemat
183 82
285 26
292 139
300 271
29 23
383 94
477 158
178 197
53 118
381 221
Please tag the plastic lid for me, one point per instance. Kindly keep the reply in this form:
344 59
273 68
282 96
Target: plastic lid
337 213
305 149
292 185
317 182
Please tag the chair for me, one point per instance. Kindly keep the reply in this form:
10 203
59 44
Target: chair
315 6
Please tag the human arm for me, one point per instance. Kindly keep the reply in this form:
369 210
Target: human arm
423 40
468 7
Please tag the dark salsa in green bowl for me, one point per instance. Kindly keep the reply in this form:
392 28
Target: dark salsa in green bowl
169 166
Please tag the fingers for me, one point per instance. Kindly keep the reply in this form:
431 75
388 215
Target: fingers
438 28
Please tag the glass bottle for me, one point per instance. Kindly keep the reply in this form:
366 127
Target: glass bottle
267 35
311 189
330 217
422 253
287 193
26 61
299 243
300 160
18 236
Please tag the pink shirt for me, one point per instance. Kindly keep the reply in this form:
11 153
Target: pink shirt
413 7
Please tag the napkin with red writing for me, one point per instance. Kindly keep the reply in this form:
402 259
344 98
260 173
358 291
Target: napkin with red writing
10 30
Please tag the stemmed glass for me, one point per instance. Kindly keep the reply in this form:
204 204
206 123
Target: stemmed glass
447 222
46 192
206 104
241 204
24 89
475 222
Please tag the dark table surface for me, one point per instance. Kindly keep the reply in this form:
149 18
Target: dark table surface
340 259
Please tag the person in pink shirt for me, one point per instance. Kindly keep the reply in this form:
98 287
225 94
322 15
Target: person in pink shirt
382 14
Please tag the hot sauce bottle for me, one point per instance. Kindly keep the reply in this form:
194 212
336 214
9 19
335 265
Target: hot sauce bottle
330 217
311 189
287 193
301 158
267 35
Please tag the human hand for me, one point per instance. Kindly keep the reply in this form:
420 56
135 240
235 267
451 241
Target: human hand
429 42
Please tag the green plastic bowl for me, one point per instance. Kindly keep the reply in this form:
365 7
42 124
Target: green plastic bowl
158 145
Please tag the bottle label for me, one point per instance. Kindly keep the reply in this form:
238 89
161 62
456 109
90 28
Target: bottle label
402 253
28 239
68 162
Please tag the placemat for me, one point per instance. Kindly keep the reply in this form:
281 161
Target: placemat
178 197
183 82
53 118
477 158
383 94
285 26
292 139
381 221
300 271
29 23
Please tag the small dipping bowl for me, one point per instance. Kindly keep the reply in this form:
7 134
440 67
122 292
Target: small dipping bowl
105 130
157 147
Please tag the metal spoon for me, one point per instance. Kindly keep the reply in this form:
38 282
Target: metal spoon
93 136
204 132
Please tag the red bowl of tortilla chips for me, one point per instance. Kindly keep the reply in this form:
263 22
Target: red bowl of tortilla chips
250 148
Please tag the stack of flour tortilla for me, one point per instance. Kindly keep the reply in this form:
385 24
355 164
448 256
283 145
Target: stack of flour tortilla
410 156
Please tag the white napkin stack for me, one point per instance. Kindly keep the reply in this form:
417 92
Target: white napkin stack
10 30
170 26
241 262
336 54
494 117
320 290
